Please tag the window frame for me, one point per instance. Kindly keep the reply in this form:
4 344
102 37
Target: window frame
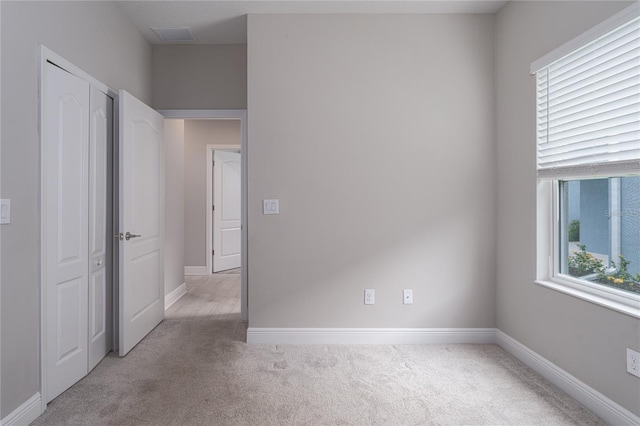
548 258
548 225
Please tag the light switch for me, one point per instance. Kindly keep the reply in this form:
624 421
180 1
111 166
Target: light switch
5 211
271 206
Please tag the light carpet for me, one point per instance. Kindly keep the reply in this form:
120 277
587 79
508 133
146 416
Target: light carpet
200 372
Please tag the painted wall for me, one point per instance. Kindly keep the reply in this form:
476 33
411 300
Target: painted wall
97 38
174 202
582 338
200 77
198 134
376 135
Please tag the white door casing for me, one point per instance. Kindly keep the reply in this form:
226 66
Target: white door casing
65 195
100 289
141 212
227 212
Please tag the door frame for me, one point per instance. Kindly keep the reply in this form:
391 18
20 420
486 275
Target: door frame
47 55
209 226
227 114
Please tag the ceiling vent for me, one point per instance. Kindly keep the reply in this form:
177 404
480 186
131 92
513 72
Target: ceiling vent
174 35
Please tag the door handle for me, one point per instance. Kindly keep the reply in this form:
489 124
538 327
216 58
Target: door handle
129 236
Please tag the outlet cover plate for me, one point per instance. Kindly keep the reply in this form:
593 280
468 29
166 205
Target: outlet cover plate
369 296
633 362
5 211
407 297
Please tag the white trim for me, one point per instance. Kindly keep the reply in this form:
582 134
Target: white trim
219 114
242 115
47 54
587 37
174 295
599 404
209 185
195 270
378 336
590 171
606 297
548 255
26 413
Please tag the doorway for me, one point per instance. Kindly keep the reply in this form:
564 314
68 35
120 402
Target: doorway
241 117
224 221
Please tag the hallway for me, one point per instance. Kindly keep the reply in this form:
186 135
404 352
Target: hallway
216 296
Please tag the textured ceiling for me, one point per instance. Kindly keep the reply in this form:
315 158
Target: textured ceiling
225 22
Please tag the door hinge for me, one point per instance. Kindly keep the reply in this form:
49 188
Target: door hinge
213 252
213 208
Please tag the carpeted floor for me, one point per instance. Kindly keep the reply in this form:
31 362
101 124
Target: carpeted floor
195 369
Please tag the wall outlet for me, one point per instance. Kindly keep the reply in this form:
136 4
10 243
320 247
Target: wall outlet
5 211
407 297
633 362
369 296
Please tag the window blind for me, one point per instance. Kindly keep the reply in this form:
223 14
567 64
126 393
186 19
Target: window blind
588 108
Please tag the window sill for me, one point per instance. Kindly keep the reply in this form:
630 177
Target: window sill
625 305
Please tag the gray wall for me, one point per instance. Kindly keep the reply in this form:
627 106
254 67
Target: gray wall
376 134
198 134
95 37
174 202
200 77
582 338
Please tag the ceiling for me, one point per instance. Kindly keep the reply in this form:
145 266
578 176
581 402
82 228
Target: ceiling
225 22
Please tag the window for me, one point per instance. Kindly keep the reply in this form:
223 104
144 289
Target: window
588 158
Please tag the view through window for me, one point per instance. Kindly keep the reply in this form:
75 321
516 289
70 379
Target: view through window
600 231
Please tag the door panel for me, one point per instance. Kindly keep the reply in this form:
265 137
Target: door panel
65 257
100 287
69 328
141 212
227 213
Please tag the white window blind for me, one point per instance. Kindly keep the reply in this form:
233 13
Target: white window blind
588 108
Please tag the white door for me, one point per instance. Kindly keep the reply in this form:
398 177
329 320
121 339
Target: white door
100 282
226 210
141 221
65 258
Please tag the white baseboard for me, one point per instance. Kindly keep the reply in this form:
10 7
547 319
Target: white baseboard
24 414
603 407
174 295
195 270
381 336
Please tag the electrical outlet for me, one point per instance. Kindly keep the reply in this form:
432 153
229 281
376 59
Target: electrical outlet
369 296
407 297
633 362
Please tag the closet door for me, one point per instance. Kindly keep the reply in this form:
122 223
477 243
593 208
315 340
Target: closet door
100 288
65 245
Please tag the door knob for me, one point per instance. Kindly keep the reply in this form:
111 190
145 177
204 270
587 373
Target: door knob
129 236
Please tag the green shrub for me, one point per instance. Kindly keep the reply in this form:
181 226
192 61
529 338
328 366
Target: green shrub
582 263
574 230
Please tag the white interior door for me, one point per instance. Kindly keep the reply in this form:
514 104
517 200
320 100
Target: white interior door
227 211
100 280
65 258
141 221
